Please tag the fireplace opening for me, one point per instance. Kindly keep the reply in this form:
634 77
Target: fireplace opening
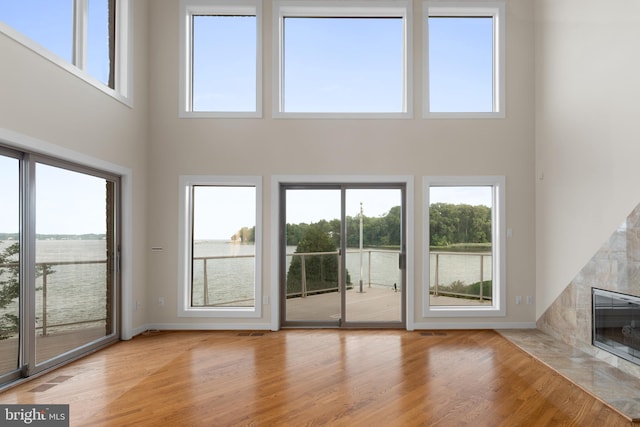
616 323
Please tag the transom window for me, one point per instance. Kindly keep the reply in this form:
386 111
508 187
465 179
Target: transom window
79 35
464 60
464 246
220 66
220 246
341 59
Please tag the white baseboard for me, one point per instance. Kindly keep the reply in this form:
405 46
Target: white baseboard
474 325
203 327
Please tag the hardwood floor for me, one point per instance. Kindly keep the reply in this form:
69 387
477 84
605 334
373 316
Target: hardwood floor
315 377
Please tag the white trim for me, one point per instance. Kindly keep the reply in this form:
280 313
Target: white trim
123 57
185 204
495 9
332 8
189 8
27 143
205 326
498 308
474 325
277 180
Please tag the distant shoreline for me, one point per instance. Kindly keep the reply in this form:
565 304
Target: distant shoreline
88 236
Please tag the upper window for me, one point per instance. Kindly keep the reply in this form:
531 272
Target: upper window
220 246
464 63
464 246
79 35
341 59
220 59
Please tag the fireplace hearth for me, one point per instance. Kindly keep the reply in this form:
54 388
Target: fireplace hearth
616 323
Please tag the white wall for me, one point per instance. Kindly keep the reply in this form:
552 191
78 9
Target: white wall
587 134
50 110
365 147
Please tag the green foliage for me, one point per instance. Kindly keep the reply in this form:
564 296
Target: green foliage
452 224
321 271
10 287
472 290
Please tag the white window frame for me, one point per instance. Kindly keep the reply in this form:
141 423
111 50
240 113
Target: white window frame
496 10
498 243
189 8
123 57
187 182
345 8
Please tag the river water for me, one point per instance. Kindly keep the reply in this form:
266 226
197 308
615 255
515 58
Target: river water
78 292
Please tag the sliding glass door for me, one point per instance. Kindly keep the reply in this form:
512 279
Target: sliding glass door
74 254
10 284
342 248
58 262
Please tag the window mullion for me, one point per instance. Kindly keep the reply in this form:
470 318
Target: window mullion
80 18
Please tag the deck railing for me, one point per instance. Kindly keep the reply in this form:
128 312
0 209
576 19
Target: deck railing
370 278
43 268
436 287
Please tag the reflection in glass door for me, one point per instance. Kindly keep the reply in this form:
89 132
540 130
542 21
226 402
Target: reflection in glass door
74 261
341 255
9 269
312 241
374 238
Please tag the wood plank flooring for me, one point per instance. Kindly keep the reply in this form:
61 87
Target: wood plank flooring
315 378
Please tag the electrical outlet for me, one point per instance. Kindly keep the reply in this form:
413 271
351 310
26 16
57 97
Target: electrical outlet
529 299
518 299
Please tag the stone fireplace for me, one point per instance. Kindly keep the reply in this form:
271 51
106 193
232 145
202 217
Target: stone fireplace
616 324
614 268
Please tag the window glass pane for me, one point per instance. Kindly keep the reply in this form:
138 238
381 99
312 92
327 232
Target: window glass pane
343 65
460 233
223 265
224 63
73 289
48 22
461 64
9 265
99 43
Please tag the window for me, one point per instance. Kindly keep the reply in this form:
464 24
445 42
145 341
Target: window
342 59
220 66
86 37
220 246
59 276
464 246
464 62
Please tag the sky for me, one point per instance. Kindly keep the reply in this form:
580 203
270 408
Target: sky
50 23
343 64
222 211
330 64
66 202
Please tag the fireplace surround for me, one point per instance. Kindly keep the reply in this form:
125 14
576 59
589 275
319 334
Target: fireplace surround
616 323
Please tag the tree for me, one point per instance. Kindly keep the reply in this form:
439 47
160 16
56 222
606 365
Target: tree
450 224
321 271
10 287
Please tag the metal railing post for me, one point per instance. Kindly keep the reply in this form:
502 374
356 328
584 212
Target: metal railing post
205 287
436 274
481 275
303 273
369 272
44 300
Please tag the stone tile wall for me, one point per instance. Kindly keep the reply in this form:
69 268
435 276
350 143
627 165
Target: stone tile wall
615 267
